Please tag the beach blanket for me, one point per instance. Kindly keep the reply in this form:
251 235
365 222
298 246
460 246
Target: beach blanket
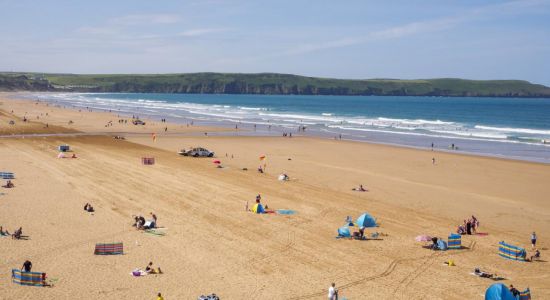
7 175
109 249
28 278
154 232
285 211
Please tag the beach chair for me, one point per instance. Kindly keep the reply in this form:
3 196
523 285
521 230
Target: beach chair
525 295
28 278
148 161
454 241
511 252
7 175
109 249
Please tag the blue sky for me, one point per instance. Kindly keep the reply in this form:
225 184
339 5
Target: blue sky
342 39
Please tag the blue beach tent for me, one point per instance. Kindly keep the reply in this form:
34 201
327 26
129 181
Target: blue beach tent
344 232
498 291
366 220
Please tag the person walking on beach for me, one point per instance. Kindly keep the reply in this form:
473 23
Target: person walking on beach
433 160
332 292
432 146
533 239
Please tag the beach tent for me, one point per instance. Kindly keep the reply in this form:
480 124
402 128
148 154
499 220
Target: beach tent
64 148
258 208
499 291
455 241
511 252
148 161
28 278
441 245
366 220
344 232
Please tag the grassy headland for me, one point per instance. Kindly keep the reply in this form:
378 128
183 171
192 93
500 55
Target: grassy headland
268 84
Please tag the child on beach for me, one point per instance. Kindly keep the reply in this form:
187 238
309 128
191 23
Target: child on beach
533 240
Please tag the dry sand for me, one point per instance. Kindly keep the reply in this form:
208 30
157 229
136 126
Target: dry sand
213 245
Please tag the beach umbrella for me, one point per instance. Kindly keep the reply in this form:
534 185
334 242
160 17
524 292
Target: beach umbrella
366 220
423 238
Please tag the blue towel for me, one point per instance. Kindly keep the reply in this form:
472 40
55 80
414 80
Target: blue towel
285 211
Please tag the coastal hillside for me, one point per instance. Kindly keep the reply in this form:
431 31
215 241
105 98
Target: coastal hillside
267 84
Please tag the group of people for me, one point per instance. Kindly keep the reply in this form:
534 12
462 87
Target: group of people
9 185
141 224
469 226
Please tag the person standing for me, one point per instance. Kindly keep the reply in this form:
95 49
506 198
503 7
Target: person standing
27 266
533 239
332 292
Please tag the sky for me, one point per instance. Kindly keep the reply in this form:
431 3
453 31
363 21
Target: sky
356 39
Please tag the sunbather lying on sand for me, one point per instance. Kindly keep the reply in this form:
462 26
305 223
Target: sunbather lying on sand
3 233
483 274
360 189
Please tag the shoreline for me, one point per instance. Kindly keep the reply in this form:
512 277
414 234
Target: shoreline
410 142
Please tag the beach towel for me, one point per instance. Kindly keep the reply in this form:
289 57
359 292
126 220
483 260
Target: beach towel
109 249
28 278
285 211
7 175
511 252
154 232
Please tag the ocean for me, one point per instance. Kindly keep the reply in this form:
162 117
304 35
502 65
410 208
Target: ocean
501 127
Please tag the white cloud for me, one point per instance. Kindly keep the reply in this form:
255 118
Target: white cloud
145 19
201 31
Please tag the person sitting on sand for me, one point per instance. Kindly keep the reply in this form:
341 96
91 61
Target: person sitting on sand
17 234
535 256
460 229
3 233
8 185
483 274
88 207
141 222
359 235
514 291
150 270
434 243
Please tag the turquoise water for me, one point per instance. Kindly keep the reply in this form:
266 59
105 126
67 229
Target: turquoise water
509 127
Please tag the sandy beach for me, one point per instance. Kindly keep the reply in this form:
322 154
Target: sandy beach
213 245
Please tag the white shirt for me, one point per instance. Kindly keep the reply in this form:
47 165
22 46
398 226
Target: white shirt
331 292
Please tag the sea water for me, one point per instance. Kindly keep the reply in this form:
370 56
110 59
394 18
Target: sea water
517 128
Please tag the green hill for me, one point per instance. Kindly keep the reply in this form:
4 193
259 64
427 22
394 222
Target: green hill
267 83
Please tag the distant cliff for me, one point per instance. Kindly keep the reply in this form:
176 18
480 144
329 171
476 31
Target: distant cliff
268 84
